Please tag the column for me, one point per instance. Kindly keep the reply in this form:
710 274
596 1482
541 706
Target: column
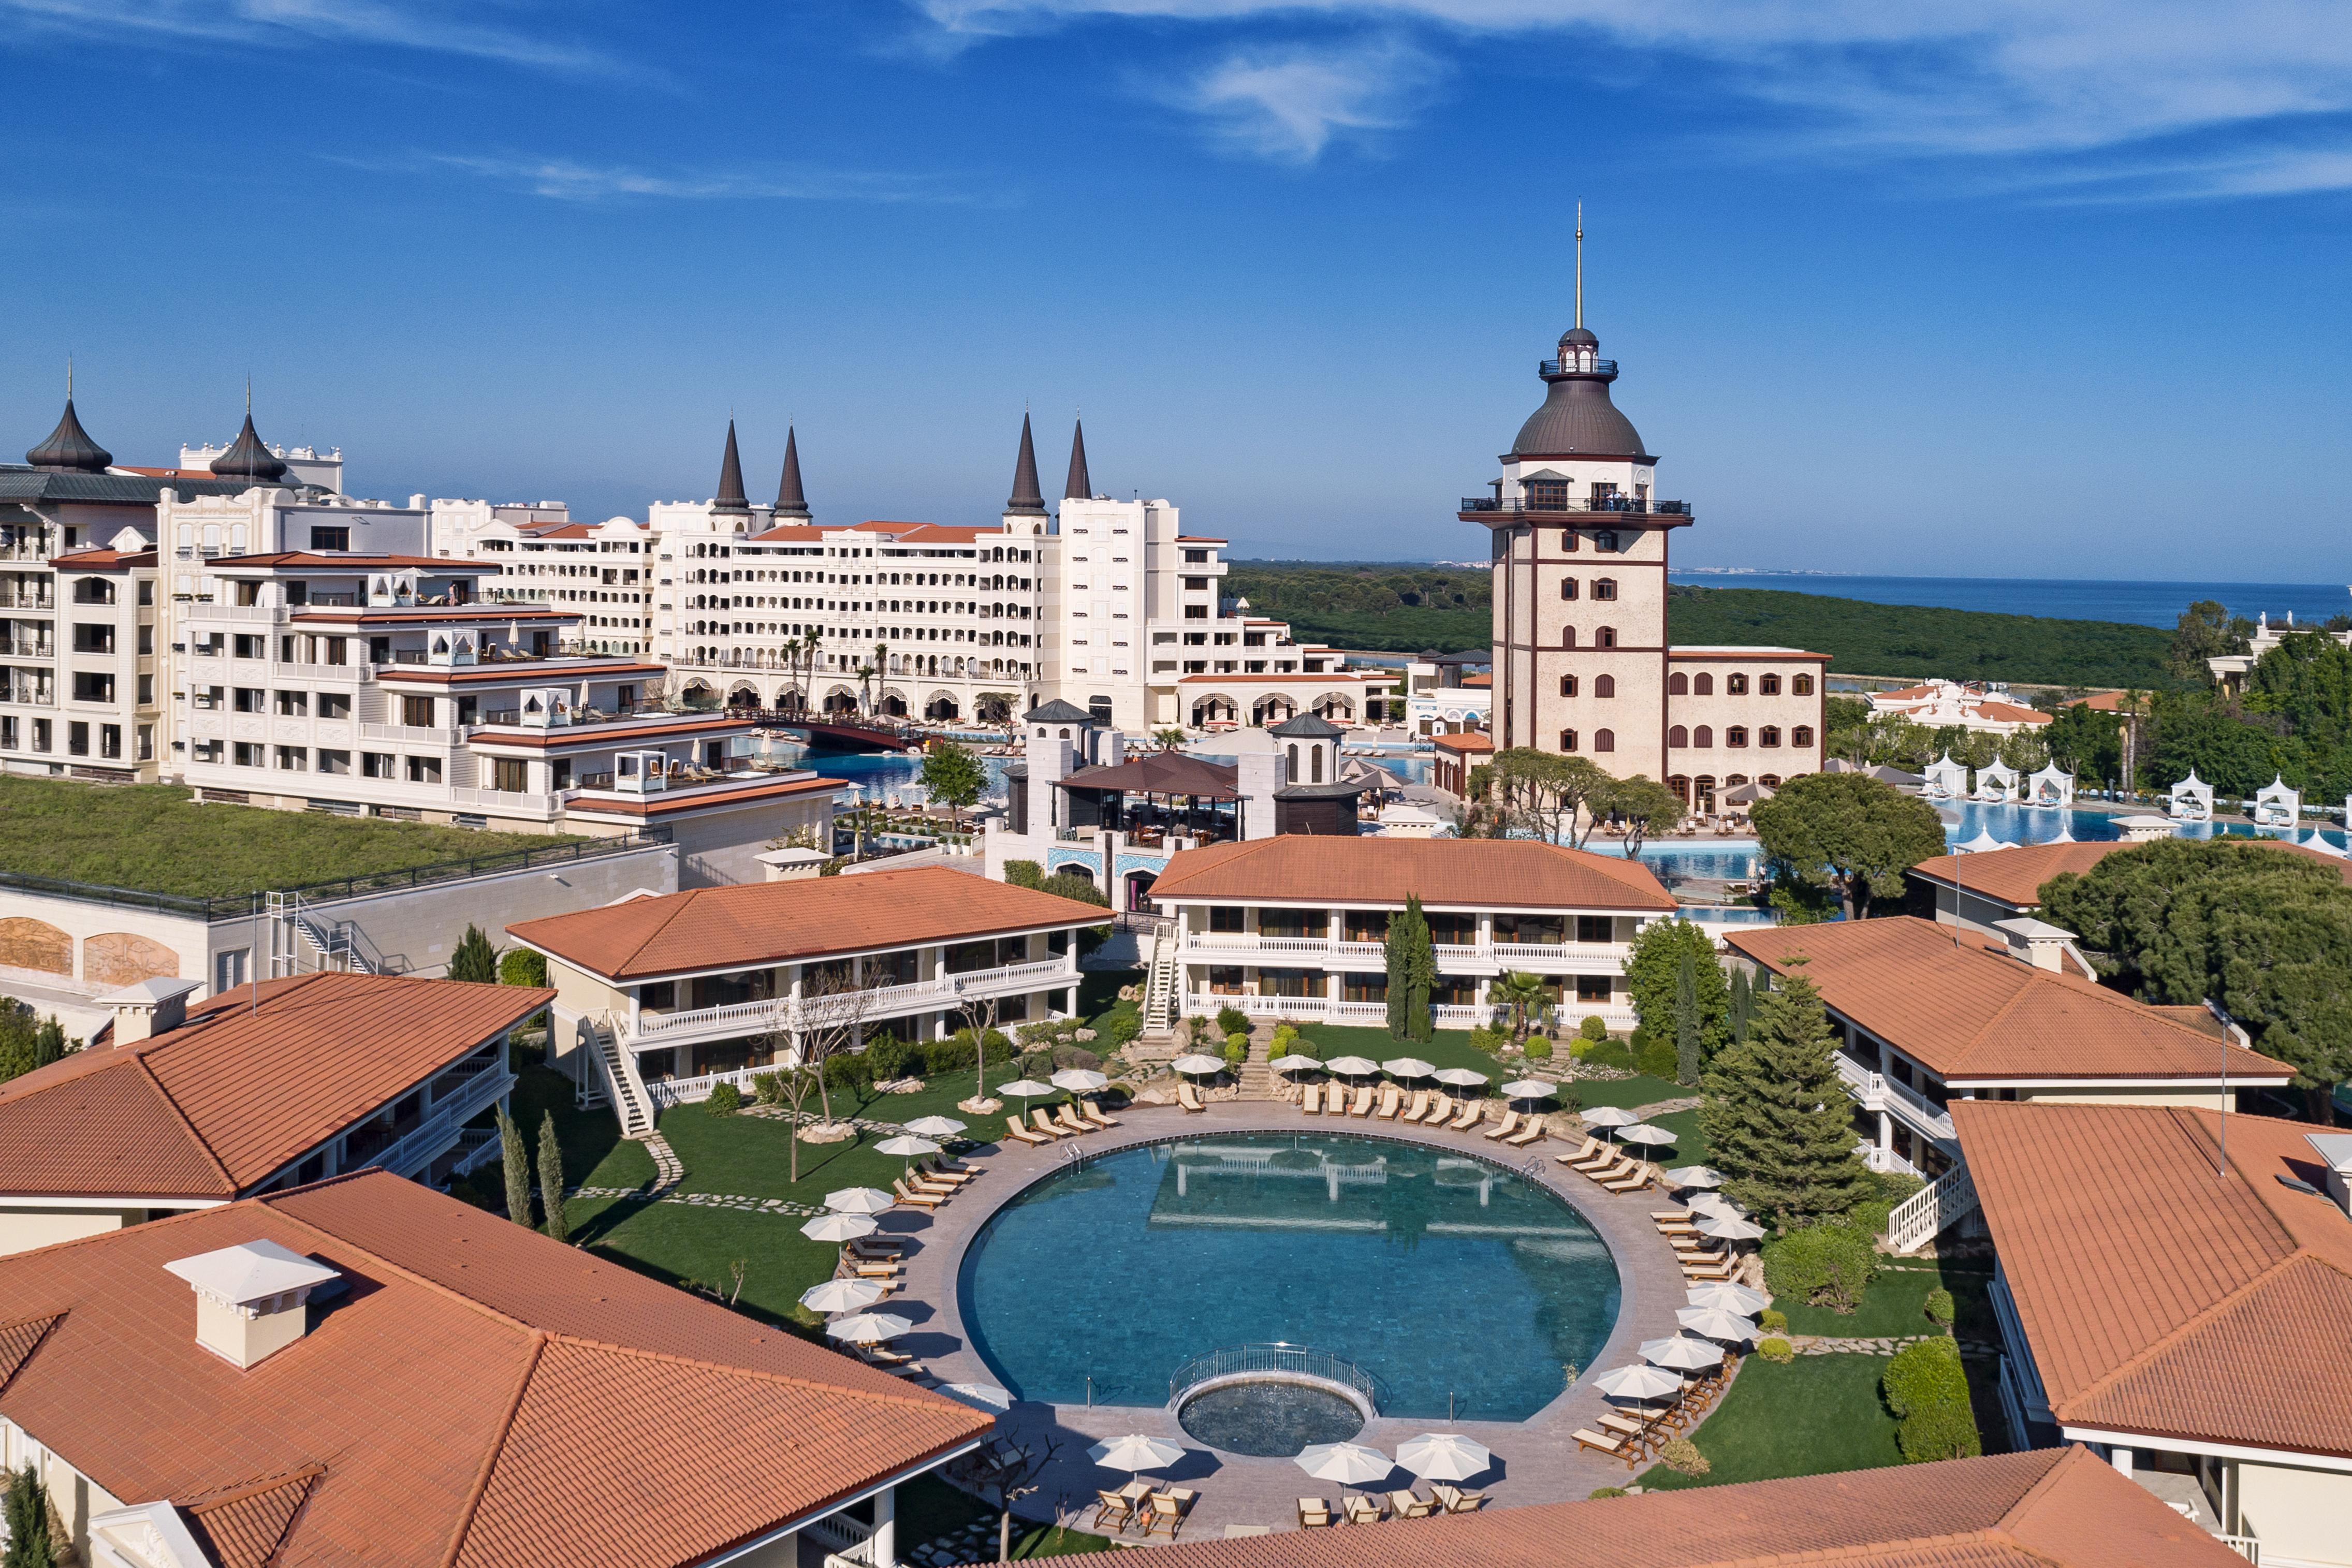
2121 1458
886 1528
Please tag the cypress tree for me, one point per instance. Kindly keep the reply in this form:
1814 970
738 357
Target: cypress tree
1421 972
30 1544
1392 952
1743 1005
550 1178
515 1159
1778 1120
1687 1060
474 958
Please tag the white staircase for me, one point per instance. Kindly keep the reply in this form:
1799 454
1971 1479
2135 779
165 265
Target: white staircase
1160 987
618 1070
333 944
1932 1210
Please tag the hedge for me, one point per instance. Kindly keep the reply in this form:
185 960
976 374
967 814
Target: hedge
1822 1265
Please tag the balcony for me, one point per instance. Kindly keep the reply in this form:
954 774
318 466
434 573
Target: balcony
1562 368
1325 1009
404 1150
1225 946
775 1014
1876 1092
1592 506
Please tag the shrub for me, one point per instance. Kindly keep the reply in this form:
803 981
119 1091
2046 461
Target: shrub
1946 1431
1118 1026
1775 1349
1596 1493
1232 1021
1925 1387
1236 1048
1538 1049
1609 1053
1075 1056
767 1088
1024 874
725 1100
1941 1308
1286 1039
1822 1265
1490 1041
1773 1320
1682 1456
1592 1029
887 1058
1656 1059
946 1055
521 966
844 1071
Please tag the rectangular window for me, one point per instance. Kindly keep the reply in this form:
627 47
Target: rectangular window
93 639
334 761
425 770
1595 930
334 705
1365 926
336 650
1228 917
78 739
330 538
377 765
1591 987
251 646
416 711
252 699
109 741
249 754
8 732
44 738
294 704
294 759
146 691
92 688
147 640
146 743
510 775
147 591
230 967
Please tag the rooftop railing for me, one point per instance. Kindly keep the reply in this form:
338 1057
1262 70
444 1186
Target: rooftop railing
1278 1359
1563 367
1597 506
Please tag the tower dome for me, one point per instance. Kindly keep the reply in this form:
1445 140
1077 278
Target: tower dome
247 458
1577 419
69 449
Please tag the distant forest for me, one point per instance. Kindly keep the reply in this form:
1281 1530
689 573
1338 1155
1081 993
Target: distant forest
1403 608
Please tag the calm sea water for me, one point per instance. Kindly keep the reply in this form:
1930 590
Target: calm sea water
2138 603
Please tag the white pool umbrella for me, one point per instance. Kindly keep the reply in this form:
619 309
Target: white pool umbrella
1714 1203
1195 1062
839 1228
1609 1116
1295 1062
1078 1080
1704 1178
844 1295
1349 1464
860 1200
906 1144
935 1128
1528 1089
1682 1354
1642 1133
1728 1228
1714 1322
1443 1456
1640 1380
1462 1078
1408 1067
1135 1452
985 1396
867 1328
1730 1297
1353 1066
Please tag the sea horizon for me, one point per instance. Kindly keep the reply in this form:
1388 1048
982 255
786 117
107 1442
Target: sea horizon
2142 603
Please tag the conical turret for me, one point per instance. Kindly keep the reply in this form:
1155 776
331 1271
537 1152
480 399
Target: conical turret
731 496
1080 486
69 449
791 501
247 458
1027 498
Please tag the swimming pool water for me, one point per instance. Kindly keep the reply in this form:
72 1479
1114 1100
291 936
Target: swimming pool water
1440 1274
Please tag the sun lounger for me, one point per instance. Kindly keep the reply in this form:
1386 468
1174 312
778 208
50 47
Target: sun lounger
1454 1499
1532 1133
1585 1151
1633 1180
916 1200
1335 1099
1092 1115
921 1184
1671 1216
1419 1107
1020 1135
1313 1513
1506 1127
1702 1273
1614 1446
1045 1123
1472 1111
1067 1117
1112 1509
1608 1174
933 1171
1311 1101
1441 1110
1167 1514
1189 1097
1406 1505
878 1246
1391 1098
1363 1510
1362 1103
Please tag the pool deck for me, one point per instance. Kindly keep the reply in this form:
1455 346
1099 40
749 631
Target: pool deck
1537 1460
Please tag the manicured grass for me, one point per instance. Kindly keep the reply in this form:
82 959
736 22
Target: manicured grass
929 1508
1896 1304
1813 1415
154 838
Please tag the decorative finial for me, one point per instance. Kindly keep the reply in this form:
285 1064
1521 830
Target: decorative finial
1580 264
70 378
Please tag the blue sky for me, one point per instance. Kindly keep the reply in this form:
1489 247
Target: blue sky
2006 289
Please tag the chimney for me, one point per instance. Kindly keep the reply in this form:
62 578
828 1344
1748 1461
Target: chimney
2044 945
2335 1151
252 1299
150 1008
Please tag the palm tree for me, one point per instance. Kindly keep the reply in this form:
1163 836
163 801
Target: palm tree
865 688
1525 995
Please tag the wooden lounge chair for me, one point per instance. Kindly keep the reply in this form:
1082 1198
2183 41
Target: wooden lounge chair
1313 1513
1167 1513
1633 1180
933 1170
1614 1446
1364 1508
1067 1117
1310 1099
1406 1505
1092 1115
1112 1509
1441 1111
1020 1135
1671 1216
1595 1156
1506 1127
1608 1174
1190 1098
1472 1113
1705 1274
1362 1103
1047 1125
1418 1107
1454 1499
1392 1097
880 1246
1335 1099
919 1182
1531 1133
916 1200
863 1269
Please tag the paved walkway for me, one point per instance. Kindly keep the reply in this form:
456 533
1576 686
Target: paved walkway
1536 1460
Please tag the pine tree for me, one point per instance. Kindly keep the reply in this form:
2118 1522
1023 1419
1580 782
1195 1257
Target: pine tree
1777 1117
517 1161
1743 1005
30 1544
550 1178
474 958
1688 1062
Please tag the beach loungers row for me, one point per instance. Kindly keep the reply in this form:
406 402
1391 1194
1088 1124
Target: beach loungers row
1635 1433
1607 1166
930 1182
1070 1118
1422 1107
1139 1506
1371 1507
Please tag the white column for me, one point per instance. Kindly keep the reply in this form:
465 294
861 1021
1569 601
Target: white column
2121 1458
886 1528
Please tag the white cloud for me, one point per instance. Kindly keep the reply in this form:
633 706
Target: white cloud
569 180
1290 103
436 28
2007 79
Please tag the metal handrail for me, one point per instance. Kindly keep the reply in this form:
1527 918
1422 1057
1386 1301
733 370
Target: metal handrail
1598 506
1574 367
1276 1356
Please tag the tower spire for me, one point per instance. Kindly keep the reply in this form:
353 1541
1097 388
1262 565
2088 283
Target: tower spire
1028 500
1580 264
1080 486
791 500
730 497
68 449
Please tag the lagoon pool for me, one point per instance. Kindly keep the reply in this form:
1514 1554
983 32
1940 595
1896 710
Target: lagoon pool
1456 1283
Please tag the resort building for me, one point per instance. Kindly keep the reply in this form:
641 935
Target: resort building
1448 694
178 1106
1455 757
367 1372
1930 1019
1956 705
660 999
1978 891
2231 669
2174 1287
602 572
1296 926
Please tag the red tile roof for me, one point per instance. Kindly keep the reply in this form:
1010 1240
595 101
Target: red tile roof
223 1103
702 797
2050 1507
2015 876
1970 1015
1452 873
791 921
358 564
2165 1288
1468 740
480 1395
100 559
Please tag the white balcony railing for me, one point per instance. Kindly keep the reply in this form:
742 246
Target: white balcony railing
1214 946
783 1013
1327 1010
1875 1092
409 1152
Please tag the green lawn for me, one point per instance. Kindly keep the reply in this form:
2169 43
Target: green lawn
929 1508
155 839
1896 1302
1813 1415
1451 1048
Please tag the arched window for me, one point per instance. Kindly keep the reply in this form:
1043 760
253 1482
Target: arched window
1735 781
1568 685
1702 684
1604 587
1768 685
1316 765
1604 685
1801 686
1735 735
1604 740
1605 638
1703 737
1768 736
1735 685
1568 588
1605 542
1770 780
1568 636
1677 685
1294 762
1568 740
1678 737
1568 542
1802 736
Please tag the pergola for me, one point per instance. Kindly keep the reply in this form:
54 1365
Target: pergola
1177 792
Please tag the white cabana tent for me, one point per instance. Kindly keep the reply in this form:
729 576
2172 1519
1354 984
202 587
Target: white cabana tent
2192 799
2276 806
1946 779
1983 840
2319 843
1995 781
2053 785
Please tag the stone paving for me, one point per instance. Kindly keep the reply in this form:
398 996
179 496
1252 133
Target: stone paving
1536 1460
1823 1344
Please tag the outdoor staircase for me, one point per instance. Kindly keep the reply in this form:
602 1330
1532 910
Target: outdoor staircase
1160 986
631 1103
1932 1210
1256 1078
333 944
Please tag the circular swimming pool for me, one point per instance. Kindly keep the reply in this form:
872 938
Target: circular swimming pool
1463 1288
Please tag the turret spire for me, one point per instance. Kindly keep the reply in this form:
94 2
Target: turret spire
1080 486
69 449
247 458
1027 498
791 502
731 496
1580 264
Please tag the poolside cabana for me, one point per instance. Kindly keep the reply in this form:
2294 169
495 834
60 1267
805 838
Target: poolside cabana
2053 785
1996 783
2278 806
2192 801
1945 778
1157 794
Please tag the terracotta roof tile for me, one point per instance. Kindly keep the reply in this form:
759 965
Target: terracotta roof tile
2015 876
243 1525
1482 874
19 1340
2159 1290
1966 1014
790 922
